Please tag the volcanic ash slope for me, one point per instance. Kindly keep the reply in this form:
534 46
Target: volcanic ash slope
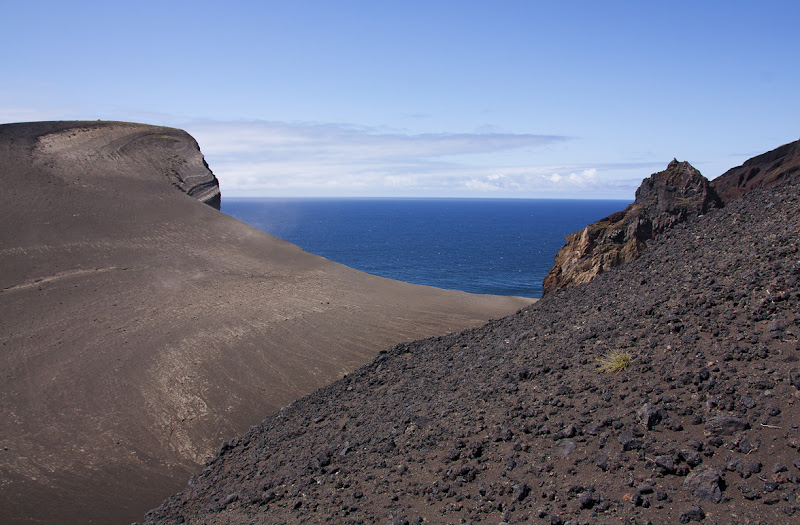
140 327
516 421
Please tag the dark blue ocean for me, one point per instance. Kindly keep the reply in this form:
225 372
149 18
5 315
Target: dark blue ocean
492 246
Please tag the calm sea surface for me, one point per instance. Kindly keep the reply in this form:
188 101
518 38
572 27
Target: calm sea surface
494 246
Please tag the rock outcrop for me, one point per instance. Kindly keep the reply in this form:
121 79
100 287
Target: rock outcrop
139 328
179 160
663 200
759 172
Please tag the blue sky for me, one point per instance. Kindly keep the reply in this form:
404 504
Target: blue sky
420 98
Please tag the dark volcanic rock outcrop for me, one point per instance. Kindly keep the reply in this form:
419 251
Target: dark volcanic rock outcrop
516 421
759 172
140 327
663 200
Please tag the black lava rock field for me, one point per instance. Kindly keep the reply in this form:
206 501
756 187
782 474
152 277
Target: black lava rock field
664 391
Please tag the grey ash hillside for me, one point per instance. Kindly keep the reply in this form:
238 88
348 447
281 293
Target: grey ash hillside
140 327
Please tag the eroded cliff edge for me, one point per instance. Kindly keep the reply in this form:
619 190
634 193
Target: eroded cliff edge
172 153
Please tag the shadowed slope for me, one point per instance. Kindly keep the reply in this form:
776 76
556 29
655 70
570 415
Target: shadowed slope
759 172
139 327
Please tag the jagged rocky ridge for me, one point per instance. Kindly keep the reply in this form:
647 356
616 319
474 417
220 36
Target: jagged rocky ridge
759 172
515 421
663 200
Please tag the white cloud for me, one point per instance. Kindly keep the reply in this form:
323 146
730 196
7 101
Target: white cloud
334 141
587 176
271 158
401 181
495 182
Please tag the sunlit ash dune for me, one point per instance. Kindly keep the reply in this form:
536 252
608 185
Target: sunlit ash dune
665 389
140 327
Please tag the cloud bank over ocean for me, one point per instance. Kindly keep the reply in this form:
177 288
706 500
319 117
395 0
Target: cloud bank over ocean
263 158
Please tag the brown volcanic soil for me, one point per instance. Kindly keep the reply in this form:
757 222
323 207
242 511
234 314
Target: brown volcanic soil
515 422
759 172
140 327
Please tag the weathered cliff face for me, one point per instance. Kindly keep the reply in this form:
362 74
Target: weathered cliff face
185 166
664 199
113 147
759 172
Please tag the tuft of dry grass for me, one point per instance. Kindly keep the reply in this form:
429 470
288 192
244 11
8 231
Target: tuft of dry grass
615 361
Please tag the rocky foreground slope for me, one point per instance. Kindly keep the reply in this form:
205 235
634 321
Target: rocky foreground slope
140 327
517 421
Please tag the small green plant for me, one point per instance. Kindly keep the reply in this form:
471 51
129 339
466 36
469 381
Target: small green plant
615 361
